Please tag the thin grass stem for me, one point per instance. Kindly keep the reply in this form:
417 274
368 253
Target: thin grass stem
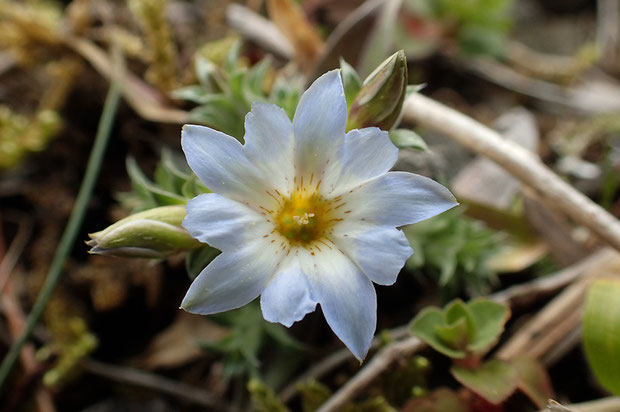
69 235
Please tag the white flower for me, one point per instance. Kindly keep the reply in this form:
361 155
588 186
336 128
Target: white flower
303 214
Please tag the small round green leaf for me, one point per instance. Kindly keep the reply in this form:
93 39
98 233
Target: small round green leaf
601 332
441 400
425 325
494 380
456 334
457 310
490 318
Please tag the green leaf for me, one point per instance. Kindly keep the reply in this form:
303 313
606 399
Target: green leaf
313 395
454 250
194 93
533 380
149 191
236 83
140 184
441 400
285 96
424 326
407 139
477 40
278 333
198 259
264 398
494 380
205 71
255 80
601 332
193 187
175 171
375 404
455 334
457 310
220 116
351 82
232 59
489 318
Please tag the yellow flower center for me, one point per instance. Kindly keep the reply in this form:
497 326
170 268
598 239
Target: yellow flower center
304 218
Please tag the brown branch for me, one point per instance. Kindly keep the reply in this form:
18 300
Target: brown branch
527 293
11 256
516 160
258 29
377 365
334 360
558 318
145 100
16 320
518 295
609 404
589 97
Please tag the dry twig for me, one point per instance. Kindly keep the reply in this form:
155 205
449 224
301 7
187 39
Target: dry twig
145 100
518 161
611 404
16 320
589 97
527 293
258 29
379 364
559 317
608 32
11 255
336 359
518 295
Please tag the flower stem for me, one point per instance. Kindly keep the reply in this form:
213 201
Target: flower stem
75 221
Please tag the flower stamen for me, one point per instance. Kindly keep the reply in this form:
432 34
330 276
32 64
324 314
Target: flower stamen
304 218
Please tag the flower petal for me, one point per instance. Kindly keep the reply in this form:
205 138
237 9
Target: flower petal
223 223
347 297
221 164
397 199
367 153
381 251
232 279
269 144
319 124
286 299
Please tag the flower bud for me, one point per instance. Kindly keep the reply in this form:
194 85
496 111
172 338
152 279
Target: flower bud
154 233
381 97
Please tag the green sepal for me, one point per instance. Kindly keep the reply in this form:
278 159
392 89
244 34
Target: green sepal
351 82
